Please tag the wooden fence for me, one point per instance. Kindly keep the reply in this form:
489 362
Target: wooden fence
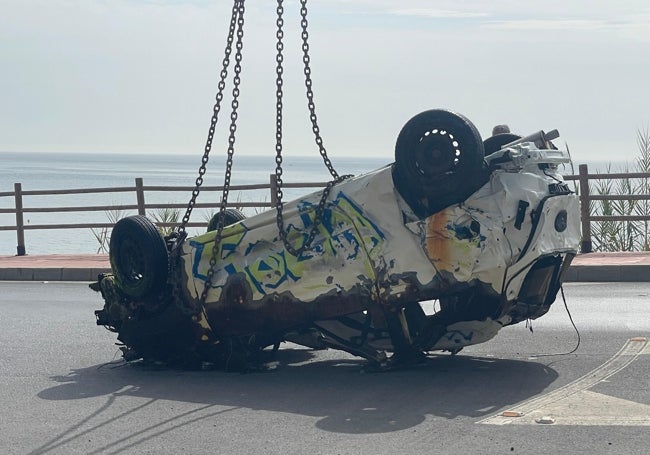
140 189
141 206
586 198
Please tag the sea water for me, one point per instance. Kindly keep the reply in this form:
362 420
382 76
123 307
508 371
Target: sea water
57 171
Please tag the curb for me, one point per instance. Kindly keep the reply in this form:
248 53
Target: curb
607 273
54 267
51 274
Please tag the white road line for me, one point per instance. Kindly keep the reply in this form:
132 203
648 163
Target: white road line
563 405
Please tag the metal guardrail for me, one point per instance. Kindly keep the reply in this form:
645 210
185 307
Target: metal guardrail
142 206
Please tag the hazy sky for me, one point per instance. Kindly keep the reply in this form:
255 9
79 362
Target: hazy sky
141 75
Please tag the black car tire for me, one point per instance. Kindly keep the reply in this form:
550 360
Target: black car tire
439 160
495 143
138 257
231 216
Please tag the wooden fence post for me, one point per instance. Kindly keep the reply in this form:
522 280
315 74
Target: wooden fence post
20 226
139 191
585 245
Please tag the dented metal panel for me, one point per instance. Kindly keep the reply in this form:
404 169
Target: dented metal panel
492 258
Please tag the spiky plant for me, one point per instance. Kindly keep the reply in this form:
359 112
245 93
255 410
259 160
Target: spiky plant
643 186
102 235
624 235
164 217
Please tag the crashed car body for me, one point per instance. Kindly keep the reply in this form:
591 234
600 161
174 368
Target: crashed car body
487 234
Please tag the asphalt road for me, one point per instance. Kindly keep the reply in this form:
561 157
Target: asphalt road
60 393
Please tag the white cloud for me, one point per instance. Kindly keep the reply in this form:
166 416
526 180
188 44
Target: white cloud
634 28
437 13
549 24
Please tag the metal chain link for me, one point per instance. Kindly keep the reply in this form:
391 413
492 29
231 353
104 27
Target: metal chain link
180 233
236 28
320 209
310 94
239 44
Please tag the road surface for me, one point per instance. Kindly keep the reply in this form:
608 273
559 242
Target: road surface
63 389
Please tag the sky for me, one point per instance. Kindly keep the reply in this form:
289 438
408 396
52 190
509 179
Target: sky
140 76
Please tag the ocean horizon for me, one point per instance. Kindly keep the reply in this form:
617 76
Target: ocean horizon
72 170
58 171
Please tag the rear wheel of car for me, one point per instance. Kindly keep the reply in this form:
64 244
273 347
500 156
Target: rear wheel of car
138 257
495 143
438 160
230 216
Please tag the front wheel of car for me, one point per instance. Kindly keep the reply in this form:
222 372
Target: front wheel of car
138 257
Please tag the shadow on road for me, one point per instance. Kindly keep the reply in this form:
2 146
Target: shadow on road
346 399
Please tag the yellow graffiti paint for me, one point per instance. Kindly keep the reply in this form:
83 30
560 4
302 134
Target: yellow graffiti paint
344 237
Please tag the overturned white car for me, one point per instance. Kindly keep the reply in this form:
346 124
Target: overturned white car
485 228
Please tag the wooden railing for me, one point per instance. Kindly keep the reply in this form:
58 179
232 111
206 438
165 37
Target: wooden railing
142 206
583 178
140 189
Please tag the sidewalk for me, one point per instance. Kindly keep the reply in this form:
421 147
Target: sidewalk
53 267
85 267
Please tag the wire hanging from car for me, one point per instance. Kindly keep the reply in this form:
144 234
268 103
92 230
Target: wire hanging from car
573 171
574 328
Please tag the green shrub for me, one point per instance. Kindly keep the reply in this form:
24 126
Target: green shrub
623 235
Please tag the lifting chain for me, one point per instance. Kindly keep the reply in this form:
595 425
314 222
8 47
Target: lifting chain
236 23
236 28
320 209
310 94
231 149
